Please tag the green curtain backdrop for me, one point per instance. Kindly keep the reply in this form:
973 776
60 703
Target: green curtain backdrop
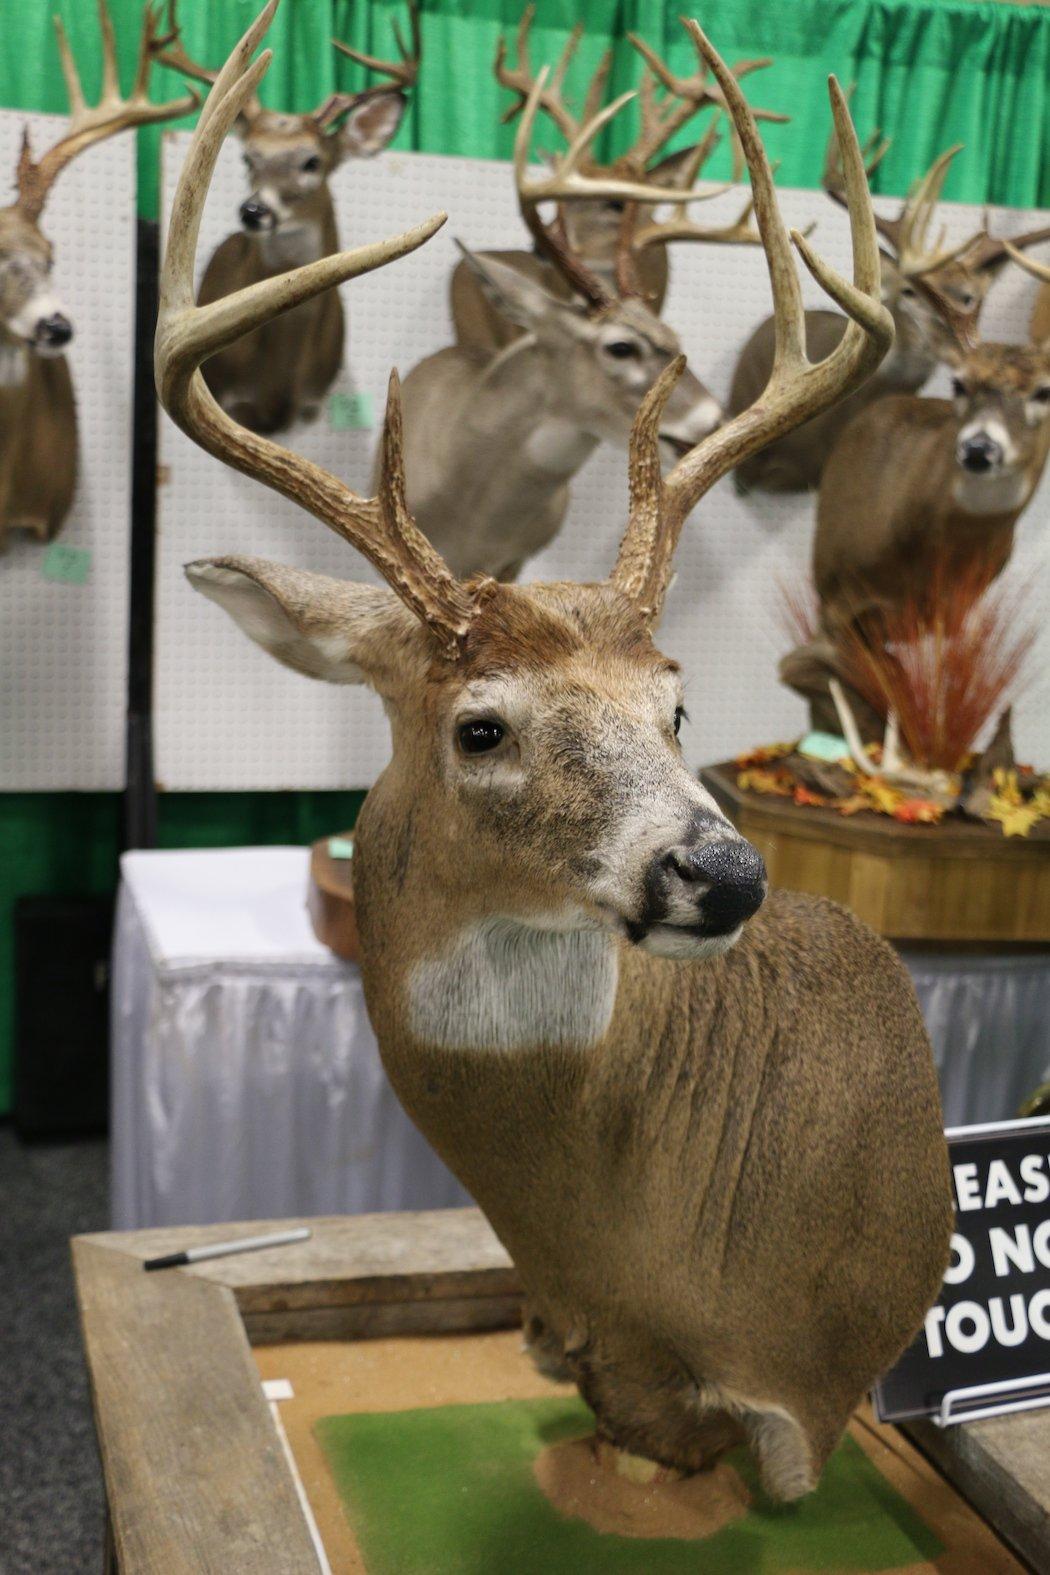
929 72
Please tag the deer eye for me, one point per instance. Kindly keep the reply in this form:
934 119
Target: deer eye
478 738
311 165
679 717
622 349
1043 394
958 388
614 206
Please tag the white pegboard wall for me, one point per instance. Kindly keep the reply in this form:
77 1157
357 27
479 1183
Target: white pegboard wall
230 717
63 646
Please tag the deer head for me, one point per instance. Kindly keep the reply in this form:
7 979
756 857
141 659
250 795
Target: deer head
534 727
607 345
31 314
593 224
1001 395
289 158
960 275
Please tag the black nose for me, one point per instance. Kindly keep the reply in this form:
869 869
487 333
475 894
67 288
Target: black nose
734 875
53 331
980 452
255 215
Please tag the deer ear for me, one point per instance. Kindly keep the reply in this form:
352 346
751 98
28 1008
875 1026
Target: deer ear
371 125
334 630
519 297
676 170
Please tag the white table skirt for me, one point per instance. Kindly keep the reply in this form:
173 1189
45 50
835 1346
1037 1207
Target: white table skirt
246 1077
247 1081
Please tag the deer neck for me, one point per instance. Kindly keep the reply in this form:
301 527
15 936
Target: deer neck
14 362
313 234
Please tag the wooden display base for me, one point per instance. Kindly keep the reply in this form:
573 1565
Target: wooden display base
330 900
198 1477
960 881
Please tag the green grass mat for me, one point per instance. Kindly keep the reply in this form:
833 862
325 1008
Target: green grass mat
450 1491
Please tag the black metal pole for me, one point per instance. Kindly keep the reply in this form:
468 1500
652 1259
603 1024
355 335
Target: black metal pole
139 820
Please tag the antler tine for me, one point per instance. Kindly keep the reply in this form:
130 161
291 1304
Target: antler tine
521 81
565 183
404 71
87 124
983 249
913 253
873 150
796 389
1038 270
659 125
381 528
170 51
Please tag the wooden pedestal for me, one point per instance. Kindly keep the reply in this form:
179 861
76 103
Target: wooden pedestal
330 900
956 882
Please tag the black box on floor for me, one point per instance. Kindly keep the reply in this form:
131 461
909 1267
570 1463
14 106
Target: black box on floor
61 1070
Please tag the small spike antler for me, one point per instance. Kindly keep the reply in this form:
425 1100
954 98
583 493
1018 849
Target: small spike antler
797 388
381 528
91 124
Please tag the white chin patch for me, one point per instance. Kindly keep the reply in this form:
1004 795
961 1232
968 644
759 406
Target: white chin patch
665 940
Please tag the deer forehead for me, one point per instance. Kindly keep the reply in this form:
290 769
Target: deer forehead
283 139
996 369
571 693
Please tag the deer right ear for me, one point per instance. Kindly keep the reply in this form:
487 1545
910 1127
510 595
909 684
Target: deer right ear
340 632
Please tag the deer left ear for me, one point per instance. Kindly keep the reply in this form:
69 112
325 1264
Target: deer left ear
371 125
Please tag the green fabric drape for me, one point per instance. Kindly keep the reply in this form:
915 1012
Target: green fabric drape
929 72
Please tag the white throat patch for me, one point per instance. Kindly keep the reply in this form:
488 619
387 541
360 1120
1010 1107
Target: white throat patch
505 985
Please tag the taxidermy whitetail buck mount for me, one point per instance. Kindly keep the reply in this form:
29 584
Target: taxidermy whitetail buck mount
707 1130
38 419
961 274
919 492
281 373
494 439
593 224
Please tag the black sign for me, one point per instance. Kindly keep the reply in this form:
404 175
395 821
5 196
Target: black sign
991 1323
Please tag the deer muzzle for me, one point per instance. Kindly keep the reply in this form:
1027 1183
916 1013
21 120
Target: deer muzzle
257 215
698 895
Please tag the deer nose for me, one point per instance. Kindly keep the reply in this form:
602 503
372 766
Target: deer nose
980 452
734 875
255 215
53 332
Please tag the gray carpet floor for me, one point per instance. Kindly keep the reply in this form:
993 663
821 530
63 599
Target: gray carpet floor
51 1507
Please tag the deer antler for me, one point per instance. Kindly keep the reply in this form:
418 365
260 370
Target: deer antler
873 150
1038 270
89 124
797 389
521 81
686 96
931 781
381 527
403 72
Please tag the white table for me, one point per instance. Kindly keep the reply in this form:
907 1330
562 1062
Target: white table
247 1081
246 1077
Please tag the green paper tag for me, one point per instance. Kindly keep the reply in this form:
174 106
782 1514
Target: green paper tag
71 565
824 746
350 412
340 848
